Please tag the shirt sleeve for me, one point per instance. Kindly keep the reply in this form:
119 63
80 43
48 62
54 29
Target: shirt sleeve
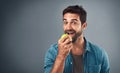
49 59
105 67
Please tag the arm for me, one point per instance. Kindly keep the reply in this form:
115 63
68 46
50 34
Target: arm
54 61
58 66
50 58
64 47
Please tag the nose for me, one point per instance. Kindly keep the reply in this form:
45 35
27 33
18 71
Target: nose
68 26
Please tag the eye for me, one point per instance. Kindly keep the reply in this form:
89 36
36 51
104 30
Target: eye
65 22
74 22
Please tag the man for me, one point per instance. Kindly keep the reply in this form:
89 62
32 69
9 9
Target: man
77 55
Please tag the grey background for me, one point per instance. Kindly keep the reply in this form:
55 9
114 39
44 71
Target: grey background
28 28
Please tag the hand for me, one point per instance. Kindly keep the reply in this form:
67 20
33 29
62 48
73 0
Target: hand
64 46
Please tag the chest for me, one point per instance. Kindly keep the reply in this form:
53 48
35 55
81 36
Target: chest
91 63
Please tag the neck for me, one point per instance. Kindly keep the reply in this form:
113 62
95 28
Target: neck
78 46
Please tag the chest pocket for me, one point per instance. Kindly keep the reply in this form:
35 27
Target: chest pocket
94 68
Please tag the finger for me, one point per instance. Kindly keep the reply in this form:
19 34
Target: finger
68 46
65 46
67 41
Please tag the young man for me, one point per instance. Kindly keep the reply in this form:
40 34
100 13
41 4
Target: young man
77 55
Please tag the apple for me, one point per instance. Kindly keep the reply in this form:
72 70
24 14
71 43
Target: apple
63 36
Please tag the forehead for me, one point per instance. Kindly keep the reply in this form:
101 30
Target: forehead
71 16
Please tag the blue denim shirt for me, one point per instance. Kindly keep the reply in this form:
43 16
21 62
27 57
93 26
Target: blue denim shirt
95 59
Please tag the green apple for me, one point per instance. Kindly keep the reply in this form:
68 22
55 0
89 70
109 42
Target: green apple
63 36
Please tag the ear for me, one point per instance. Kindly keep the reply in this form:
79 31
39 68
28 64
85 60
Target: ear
84 26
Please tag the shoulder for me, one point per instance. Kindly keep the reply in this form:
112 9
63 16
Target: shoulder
53 47
96 48
52 51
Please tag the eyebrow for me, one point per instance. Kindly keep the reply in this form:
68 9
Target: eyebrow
64 19
72 19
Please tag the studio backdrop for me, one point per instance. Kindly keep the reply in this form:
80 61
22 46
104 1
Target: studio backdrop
29 27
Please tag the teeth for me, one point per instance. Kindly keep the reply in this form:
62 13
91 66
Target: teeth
70 32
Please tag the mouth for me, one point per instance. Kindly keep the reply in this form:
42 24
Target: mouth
70 32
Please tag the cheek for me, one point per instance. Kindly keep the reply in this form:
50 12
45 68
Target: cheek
77 28
64 28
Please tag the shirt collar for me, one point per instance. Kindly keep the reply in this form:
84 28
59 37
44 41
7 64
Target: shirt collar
87 46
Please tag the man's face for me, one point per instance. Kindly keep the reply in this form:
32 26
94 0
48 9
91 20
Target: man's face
72 25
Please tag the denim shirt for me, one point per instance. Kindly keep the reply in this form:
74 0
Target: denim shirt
95 59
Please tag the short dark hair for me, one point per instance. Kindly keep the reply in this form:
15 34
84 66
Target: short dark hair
77 10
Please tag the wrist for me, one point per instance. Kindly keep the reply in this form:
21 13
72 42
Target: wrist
61 58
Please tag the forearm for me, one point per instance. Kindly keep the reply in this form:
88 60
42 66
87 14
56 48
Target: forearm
64 47
58 66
